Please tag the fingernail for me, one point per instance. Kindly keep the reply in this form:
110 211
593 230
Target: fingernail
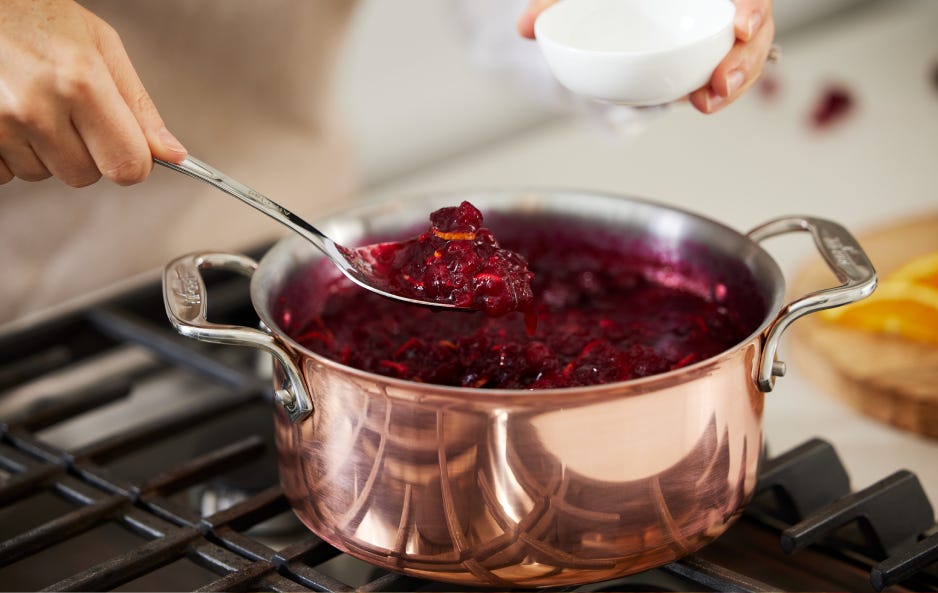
713 101
734 81
747 24
170 142
752 25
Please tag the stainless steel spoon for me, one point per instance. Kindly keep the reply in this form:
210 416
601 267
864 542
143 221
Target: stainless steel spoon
354 263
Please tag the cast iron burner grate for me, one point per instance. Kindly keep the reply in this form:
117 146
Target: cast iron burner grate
183 494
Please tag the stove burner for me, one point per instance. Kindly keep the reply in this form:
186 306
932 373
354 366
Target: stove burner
125 504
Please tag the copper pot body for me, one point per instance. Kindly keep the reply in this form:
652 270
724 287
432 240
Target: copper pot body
524 490
507 488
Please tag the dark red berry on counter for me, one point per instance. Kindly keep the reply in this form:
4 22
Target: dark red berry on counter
834 104
768 86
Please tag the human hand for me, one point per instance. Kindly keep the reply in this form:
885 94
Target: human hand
71 103
742 66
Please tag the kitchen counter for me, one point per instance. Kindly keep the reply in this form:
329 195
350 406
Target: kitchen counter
761 158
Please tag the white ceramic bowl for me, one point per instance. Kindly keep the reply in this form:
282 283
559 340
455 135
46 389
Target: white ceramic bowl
635 52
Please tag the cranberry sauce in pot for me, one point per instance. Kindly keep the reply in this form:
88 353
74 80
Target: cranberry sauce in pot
610 306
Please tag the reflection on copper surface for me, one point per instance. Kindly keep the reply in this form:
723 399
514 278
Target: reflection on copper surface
522 491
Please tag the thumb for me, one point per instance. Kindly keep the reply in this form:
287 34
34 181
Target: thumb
525 22
163 144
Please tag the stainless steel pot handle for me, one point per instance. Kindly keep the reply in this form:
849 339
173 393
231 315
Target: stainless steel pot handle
184 295
845 258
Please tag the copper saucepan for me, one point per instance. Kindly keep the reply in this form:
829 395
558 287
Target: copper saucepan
506 488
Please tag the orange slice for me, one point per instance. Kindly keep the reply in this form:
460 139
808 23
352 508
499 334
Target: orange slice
898 308
921 270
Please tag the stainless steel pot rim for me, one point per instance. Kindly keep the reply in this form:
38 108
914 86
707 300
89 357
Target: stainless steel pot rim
406 389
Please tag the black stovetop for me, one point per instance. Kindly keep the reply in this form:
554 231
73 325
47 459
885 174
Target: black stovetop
132 458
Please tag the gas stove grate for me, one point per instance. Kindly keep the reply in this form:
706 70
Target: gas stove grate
125 484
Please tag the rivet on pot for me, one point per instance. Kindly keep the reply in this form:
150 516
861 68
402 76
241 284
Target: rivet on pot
779 368
285 398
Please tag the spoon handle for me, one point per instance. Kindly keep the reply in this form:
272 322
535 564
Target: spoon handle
193 167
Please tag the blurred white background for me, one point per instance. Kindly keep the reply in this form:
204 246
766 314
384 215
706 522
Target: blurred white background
416 88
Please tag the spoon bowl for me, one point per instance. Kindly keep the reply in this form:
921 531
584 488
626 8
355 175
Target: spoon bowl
356 264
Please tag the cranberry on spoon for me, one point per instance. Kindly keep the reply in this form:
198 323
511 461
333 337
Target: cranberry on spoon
455 261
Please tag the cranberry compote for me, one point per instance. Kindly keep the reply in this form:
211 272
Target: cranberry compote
607 310
455 261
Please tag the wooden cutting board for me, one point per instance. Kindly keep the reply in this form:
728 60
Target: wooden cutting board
887 378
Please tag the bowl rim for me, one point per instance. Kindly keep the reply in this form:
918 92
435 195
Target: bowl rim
637 53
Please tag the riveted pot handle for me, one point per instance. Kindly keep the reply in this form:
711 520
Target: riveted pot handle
845 258
184 295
